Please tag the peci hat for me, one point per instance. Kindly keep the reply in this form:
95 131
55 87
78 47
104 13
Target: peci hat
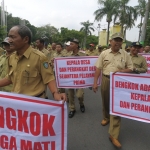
136 44
117 35
6 40
92 45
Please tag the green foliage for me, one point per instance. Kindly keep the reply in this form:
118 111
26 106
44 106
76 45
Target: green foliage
2 33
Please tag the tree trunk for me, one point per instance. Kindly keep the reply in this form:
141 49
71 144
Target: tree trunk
125 34
140 29
144 26
85 40
108 32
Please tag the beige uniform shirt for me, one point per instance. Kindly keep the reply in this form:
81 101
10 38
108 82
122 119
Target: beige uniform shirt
29 73
4 72
109 62
92 53
139 62
78 54
2 51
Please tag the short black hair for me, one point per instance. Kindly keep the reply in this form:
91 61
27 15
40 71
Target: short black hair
59 44
41 40
24 31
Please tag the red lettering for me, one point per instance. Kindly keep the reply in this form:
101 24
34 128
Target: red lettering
45 144
26 145
37 146
53 145
1 117
4 142
10 121
48 125
35 123
22 121
12 145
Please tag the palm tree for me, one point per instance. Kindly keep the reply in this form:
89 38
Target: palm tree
141 8
87 28
144 25
129 20
126 14
108 10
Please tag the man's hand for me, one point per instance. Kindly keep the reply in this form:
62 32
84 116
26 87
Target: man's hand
60 96
95 87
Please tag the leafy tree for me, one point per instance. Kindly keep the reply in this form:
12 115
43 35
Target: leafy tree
141 8
109 10
86 29
2 33
126 14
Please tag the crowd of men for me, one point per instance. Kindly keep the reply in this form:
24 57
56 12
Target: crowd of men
29 69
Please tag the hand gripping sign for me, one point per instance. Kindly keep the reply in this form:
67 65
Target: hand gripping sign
30 123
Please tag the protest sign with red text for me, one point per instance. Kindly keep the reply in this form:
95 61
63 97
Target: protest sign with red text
30 123
147 57
130 96
75 72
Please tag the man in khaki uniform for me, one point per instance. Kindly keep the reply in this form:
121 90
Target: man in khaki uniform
139 62
111 60
91 51
41 47
74 46
68 49
4 64
58 53
29 71
100 49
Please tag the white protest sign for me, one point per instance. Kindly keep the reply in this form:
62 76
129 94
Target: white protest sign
130 96
75 72
30 123
147 57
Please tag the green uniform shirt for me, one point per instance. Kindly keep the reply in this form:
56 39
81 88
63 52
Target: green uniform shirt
139 62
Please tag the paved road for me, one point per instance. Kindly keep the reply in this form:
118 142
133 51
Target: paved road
86 133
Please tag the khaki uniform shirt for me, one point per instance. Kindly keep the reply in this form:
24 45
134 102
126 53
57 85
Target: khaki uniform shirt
92 53
110 62
4 72
78 54
2 51
29 73
139 62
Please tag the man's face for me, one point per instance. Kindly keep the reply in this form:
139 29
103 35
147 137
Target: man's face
68 48
135 50
116 43
38 44
73 46
147 48
91 48
15 40
53 46
58 48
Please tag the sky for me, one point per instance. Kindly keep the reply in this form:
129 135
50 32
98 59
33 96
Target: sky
63 13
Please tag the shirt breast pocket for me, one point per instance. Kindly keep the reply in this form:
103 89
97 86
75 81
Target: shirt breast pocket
29 77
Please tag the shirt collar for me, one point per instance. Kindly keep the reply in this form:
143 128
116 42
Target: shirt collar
120 51
26 53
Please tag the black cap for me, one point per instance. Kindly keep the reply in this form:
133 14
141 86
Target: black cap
136 44
75 40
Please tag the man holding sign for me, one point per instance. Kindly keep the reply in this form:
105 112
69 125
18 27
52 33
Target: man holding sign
29 71
139 62
111 60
